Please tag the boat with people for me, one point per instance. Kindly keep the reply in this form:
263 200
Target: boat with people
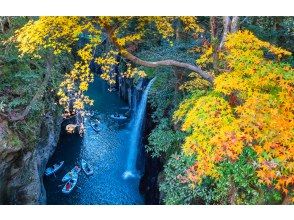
71 174
95 125
53 169
117 116
87 168
70 185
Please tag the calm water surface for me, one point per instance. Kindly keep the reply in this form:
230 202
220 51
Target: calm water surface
106 151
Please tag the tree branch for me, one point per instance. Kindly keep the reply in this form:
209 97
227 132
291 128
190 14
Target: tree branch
227 24
235 24
139 61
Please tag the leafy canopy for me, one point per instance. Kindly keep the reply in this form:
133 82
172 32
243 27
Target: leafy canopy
59 34
251 105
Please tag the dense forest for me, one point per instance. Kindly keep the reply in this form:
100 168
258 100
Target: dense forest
221 104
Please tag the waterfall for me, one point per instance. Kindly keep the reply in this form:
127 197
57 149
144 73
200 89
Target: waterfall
135 141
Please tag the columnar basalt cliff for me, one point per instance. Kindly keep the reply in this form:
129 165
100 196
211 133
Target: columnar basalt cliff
149 184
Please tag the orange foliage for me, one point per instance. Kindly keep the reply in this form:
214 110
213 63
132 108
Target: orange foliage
251 106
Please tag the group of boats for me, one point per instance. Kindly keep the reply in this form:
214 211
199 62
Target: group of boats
96 124
71 178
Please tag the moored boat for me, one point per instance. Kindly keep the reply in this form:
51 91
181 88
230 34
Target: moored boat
71 174
95 126
118 117
87 168
70 185
50 170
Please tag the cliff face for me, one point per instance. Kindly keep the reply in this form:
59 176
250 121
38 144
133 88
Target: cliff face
149 184
22 167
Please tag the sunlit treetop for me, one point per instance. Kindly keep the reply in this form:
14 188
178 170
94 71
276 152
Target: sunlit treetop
60 34
251 106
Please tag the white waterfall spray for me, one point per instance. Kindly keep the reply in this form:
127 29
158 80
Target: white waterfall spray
135 141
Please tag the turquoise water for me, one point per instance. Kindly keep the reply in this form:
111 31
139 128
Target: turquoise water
107 151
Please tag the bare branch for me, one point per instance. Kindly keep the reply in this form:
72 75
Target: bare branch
139 61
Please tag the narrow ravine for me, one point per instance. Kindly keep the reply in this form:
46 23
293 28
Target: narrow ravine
109 152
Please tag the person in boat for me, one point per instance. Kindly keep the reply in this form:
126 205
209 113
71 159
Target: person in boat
68 185
97 121
77 167
88 168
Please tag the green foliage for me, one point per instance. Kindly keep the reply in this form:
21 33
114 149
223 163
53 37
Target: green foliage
277 30
174 191
20 80
14 141
178 190
239 183
163 94
163 140
181 51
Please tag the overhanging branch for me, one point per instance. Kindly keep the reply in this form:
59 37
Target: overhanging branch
141 62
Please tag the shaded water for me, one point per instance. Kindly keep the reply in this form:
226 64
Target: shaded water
107 151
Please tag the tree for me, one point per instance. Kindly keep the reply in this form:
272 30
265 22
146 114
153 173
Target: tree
60 34
250 106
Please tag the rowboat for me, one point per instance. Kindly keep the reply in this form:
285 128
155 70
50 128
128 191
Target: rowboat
69 186
118 117
50 170
87 168
95 126
71 174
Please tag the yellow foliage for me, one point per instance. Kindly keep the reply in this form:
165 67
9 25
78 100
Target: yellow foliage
132 72
254 108
191 24
107 62
164 26
196 82
129 38
57 33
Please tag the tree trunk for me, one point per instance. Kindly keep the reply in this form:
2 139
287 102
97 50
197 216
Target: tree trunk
214 42
235 24
227 29
232 193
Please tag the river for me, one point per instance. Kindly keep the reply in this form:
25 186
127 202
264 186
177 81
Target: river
107 151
